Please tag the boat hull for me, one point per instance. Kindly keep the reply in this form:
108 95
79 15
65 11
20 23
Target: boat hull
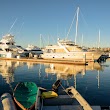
75 56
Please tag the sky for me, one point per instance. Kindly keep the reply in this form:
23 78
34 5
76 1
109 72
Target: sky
42 22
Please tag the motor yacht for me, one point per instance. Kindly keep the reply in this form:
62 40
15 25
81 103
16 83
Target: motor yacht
34 49
8 46
68 50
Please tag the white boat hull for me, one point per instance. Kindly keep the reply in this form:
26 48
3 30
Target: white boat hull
75 56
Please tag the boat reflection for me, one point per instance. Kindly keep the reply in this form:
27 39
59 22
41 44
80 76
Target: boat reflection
62 71
30 65
65 71
7 70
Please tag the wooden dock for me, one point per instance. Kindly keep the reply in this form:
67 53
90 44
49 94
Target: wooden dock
45 61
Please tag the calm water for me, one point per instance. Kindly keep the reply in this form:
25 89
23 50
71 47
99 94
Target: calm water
92 81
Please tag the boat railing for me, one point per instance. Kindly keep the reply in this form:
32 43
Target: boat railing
66 50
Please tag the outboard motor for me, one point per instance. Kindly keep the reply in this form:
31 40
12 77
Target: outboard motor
56 85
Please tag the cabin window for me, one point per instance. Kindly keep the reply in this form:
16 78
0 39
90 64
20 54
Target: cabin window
35 50
8 43
1 49
7 50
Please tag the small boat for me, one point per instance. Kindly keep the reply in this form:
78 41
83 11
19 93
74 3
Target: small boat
25 94
69 99
72 100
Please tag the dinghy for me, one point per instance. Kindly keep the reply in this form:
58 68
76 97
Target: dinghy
69 100
25 94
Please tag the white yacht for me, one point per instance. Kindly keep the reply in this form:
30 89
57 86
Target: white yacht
22 51
7 46
34 49
67 50
7 42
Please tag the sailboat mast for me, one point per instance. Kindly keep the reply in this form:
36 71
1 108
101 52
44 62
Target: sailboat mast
99 39
40 40
82 41
76 24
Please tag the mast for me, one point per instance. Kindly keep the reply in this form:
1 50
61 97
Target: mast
99 40
40 40
82 41
76 24
48 40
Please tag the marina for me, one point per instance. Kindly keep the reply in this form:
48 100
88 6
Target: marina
91 81
44 68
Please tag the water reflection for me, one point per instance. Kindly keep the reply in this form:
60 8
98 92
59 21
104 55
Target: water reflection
62 71
7 70
30 65
65 71
93 77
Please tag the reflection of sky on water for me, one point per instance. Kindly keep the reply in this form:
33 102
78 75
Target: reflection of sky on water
92 81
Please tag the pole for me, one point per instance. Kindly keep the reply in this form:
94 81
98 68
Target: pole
76 25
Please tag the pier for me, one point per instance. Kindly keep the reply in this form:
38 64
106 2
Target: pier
46 61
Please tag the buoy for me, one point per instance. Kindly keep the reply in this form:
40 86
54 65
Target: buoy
7 102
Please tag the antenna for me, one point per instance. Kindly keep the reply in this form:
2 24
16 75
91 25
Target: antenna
76 24
12 25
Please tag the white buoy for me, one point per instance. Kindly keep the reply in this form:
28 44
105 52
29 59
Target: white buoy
7 102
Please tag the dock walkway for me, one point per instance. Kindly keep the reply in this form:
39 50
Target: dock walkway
45 61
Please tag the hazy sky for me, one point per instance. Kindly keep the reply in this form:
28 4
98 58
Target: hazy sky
27 19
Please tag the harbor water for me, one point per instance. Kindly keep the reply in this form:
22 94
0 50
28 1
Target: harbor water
92 80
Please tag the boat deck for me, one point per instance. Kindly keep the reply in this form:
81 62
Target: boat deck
71 107
64 107
64 102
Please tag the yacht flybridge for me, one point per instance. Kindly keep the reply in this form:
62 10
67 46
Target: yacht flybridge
8 47
7 42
